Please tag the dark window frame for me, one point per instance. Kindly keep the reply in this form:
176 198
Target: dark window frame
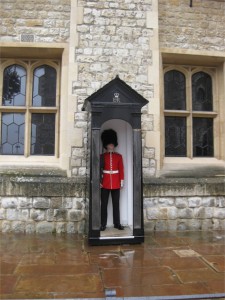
190 114
30 66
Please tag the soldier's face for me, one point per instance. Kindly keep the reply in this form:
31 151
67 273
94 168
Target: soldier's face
110 147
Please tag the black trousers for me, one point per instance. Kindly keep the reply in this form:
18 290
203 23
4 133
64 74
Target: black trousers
116 206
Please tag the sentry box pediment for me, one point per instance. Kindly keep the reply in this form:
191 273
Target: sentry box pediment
115 93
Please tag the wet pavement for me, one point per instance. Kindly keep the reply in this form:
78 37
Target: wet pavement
65 267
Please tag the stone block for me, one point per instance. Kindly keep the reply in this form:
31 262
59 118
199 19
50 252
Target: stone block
185 213
60 214
152 213
12 214
6 226
24 214
208 201
76 162
149 226
9 202
72 227
216 224
207 224
25 202
219 213
45 227
220 202
18 227
37 215
78 203
194 224
60 227
172 213
56 202
161 225
147 125
222 224
181 202
50 215
2 213
82 171
172 225
145 162
76 215
42 203
182 225
82 226
30 227
74 171
194 201
67 202
148 172
166 201
152 163
203 212
162 213
78 152
150 202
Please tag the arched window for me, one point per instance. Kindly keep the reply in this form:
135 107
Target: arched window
202 96
174 90
28 120
14 86
43 124
44 86
12 125
189 117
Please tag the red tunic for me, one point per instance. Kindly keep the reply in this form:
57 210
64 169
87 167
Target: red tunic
113 172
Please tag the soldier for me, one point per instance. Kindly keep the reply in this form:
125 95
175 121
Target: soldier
112 178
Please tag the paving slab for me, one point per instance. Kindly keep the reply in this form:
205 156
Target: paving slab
66 267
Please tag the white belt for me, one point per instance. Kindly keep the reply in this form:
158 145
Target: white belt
110 172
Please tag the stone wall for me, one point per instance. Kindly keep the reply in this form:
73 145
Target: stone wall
60 205
42 214
47 20
200 27
43 204
184 213
184 204
114 39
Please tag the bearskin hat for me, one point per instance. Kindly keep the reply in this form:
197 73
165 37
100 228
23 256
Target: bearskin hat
109 136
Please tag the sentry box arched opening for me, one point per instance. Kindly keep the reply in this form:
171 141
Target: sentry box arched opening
116 106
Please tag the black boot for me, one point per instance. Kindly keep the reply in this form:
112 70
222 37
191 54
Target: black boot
119 227
102 228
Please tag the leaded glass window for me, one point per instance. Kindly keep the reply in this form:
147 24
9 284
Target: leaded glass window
175 136
14 86
44 86
12 133
174 90
29 114
202 137
43 134
202 96
188 110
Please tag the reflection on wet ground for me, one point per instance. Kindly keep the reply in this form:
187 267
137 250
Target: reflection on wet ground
59 267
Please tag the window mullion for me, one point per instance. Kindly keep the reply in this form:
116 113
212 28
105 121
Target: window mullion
190 136
189 117
0 132
28 118
57 135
